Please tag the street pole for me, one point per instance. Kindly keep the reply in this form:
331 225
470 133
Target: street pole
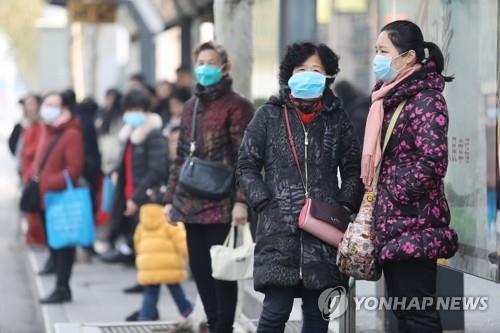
233 29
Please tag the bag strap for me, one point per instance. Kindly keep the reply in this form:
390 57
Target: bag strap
387 137
192 146
46 158
292 144
246 235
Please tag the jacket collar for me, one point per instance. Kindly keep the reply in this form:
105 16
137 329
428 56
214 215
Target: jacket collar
138 135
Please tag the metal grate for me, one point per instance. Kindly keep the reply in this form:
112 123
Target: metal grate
145 328
293 326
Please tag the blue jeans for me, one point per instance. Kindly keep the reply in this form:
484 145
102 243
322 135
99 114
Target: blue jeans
151 296
278 304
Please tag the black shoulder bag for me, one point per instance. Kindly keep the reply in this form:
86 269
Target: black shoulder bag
205 179
30 197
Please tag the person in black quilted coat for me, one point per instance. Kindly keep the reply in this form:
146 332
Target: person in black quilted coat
288 261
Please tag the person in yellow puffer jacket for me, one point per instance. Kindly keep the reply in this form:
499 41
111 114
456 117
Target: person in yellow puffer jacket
161 257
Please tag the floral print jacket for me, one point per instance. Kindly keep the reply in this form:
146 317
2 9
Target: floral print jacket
412 215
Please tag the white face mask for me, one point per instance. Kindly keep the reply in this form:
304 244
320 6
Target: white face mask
49 113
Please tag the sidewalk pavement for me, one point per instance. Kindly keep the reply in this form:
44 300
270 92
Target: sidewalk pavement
98 300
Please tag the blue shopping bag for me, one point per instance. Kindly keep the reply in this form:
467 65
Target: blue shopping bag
108 191
68 215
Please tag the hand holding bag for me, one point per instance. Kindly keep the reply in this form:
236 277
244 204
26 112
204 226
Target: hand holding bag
324 221
230 263
205 179
356 255
69 217
30 197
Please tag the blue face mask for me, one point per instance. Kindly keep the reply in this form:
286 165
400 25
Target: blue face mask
307 85
49 113
134 118
207 75
382 68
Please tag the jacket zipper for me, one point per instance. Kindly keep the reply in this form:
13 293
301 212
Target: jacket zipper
306 144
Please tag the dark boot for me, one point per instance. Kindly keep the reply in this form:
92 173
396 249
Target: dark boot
50 266
59 295
135 289
135 317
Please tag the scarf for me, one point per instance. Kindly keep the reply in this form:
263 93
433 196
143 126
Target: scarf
372 148
307 109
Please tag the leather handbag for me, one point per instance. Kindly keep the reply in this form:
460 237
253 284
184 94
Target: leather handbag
357 255
30 197
205 179
325 221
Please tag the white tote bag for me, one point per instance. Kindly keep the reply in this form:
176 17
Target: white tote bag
231 263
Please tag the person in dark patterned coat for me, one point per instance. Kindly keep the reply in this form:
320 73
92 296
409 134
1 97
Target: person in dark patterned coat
221 121
411 216
288 261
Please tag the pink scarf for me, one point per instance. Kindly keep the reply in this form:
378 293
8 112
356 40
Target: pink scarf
372 147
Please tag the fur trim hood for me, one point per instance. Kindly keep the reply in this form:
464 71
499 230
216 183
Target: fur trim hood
139 134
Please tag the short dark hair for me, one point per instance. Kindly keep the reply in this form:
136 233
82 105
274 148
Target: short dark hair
181 94
68 97
299 52
136 99
184 69
36 97
406 36
137 77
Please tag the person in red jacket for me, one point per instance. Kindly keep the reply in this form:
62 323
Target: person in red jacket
32 129
66 155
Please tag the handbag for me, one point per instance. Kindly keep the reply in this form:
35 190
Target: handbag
30 197
325 221
230 263
205 179
68 215
356 255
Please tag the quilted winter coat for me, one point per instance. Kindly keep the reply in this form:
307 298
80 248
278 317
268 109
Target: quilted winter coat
284 255
221 121
412 215
161 249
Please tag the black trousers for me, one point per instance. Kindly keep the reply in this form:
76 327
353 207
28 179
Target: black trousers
414 278
218 297
63 258
126 228
278 304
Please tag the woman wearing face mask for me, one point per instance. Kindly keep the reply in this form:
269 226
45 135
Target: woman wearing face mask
62 132
288 261
411 212
142 165
221 118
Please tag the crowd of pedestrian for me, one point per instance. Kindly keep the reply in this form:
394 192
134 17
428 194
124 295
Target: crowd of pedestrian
191 159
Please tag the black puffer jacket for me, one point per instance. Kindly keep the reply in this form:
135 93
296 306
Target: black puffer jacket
283 251
149 164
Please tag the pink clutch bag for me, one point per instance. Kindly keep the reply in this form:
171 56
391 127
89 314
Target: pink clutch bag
324 221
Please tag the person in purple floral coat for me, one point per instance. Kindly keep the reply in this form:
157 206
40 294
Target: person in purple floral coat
411 213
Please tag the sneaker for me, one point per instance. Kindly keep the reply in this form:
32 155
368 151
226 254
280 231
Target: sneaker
184 325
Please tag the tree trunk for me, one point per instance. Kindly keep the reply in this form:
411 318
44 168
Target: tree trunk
233 29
